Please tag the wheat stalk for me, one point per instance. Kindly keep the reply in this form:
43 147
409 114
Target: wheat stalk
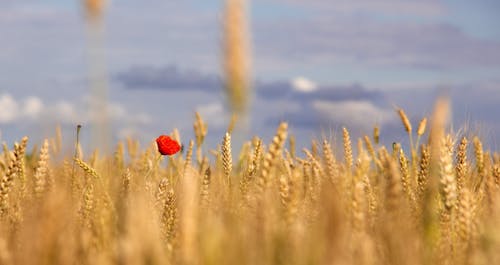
447 174
189 154
161 192
496 174
347 149
466 217
41 171
376 134
405 120
88 206
168 218
119 156
461 165
421 127
236 60
405 177
227 158
200 131
205 188
273 153
21 166
479 154
393 189
331 164
252 167
423 173
85 167
14 170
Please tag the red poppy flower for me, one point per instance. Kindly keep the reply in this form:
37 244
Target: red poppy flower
167 146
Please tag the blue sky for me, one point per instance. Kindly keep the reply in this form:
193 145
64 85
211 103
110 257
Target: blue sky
319 64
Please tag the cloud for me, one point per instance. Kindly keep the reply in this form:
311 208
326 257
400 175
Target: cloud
169 77
322 36
9 107
33 106
33 109
286 90
213 114
363 35
64 112
327 106
117 111
12 110
359 114
299 100
309 106
303 84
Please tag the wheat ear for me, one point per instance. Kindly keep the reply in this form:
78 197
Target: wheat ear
227 159
447 174
12 172
274 151
347 149
41 171
461 166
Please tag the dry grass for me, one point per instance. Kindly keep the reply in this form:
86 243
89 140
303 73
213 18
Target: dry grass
372 208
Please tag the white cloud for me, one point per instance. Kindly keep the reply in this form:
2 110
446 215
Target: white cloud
65 112
33 107
116 111
9 109
213 114
303 84
140 118
361 114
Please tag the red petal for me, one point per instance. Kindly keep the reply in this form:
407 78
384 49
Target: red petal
166 145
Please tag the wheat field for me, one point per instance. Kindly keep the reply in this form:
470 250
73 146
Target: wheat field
437 202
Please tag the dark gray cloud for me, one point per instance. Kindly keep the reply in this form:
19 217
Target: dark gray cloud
168 78
171 77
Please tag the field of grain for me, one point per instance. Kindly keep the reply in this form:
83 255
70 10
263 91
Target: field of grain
432 200
437 202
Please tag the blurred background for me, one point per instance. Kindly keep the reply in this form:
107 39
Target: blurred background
319 64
